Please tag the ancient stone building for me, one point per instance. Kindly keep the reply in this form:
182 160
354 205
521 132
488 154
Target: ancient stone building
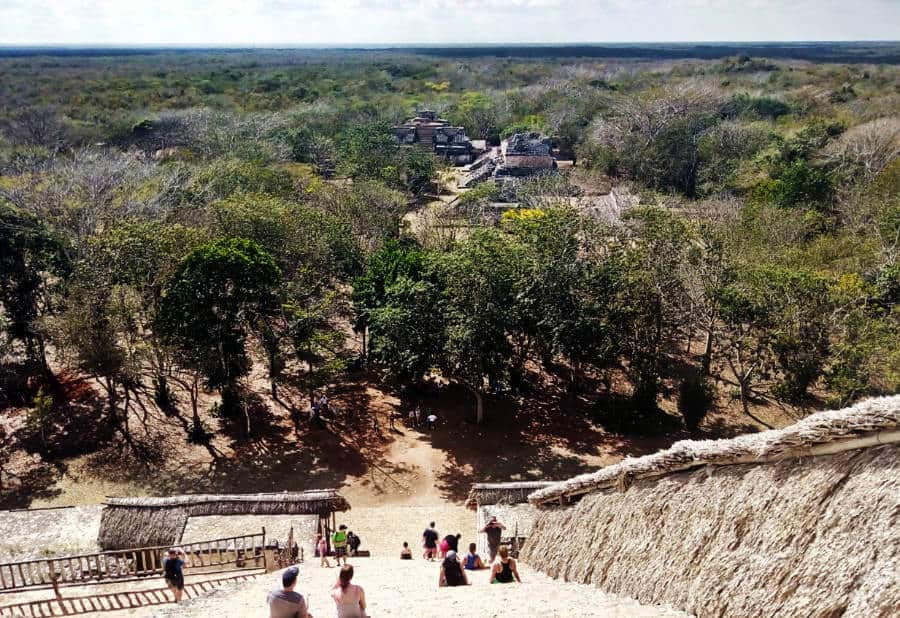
524 154
428 131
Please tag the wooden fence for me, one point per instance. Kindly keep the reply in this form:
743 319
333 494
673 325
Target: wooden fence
238 552
113 601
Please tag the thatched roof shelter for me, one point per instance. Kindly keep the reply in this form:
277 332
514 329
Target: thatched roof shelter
868 423
797 522
503 493
150 521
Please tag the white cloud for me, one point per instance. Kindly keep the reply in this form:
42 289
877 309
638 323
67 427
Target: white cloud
302 22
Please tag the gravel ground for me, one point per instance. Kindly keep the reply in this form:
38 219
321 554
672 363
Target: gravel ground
41 533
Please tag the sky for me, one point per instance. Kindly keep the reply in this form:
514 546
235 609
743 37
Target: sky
317 22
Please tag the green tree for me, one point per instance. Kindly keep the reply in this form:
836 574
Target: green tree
479 291
368 151
32 259
210 307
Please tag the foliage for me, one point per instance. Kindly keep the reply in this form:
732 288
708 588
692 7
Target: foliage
211 304
29 253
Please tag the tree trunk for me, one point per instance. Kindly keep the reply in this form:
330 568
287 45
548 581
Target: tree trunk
365 349
479 404
195 396
743 382
706 360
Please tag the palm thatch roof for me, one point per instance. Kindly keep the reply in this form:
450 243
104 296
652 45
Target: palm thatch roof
149 521
503 493
801 522
868 423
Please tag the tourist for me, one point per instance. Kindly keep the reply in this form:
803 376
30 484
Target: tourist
472 561
406 552
429 542
323 404
444 547
339 544
174 575
412 418
432 421
453 541
494 531
353 543
504 569
284 602
452 573
349 599
322 548
418 415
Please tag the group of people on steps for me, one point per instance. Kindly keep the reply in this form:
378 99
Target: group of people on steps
453 567
350 599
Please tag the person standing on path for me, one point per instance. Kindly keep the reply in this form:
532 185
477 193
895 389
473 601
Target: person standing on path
322 548
429 542
339 543
494 531
284 602
173 573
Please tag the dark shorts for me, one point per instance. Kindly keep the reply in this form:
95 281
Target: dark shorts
340 551
176 582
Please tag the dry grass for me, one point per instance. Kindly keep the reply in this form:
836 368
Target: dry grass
803 536
148 521
865 419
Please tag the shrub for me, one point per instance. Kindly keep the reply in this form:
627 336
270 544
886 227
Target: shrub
39 420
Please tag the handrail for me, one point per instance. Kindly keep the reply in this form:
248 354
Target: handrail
119 565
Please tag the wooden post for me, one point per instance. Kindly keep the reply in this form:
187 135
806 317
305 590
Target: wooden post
55 582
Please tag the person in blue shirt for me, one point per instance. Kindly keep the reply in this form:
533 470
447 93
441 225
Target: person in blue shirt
172 569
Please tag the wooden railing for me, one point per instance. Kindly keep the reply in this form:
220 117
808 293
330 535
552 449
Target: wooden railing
113 601
238 552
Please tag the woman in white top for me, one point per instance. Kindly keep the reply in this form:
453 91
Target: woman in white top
350 599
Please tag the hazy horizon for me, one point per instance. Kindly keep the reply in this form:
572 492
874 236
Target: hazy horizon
384 23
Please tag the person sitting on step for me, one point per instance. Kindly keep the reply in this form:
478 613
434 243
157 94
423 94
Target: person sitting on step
452 573
472 561
406 552
284 602
504 569
349 599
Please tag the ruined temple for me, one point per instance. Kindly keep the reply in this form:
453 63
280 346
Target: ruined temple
428 131
524 154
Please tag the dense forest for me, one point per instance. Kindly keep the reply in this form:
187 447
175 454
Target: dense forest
173 224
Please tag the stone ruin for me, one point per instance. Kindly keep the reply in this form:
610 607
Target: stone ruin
525 154
429 132
522 155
